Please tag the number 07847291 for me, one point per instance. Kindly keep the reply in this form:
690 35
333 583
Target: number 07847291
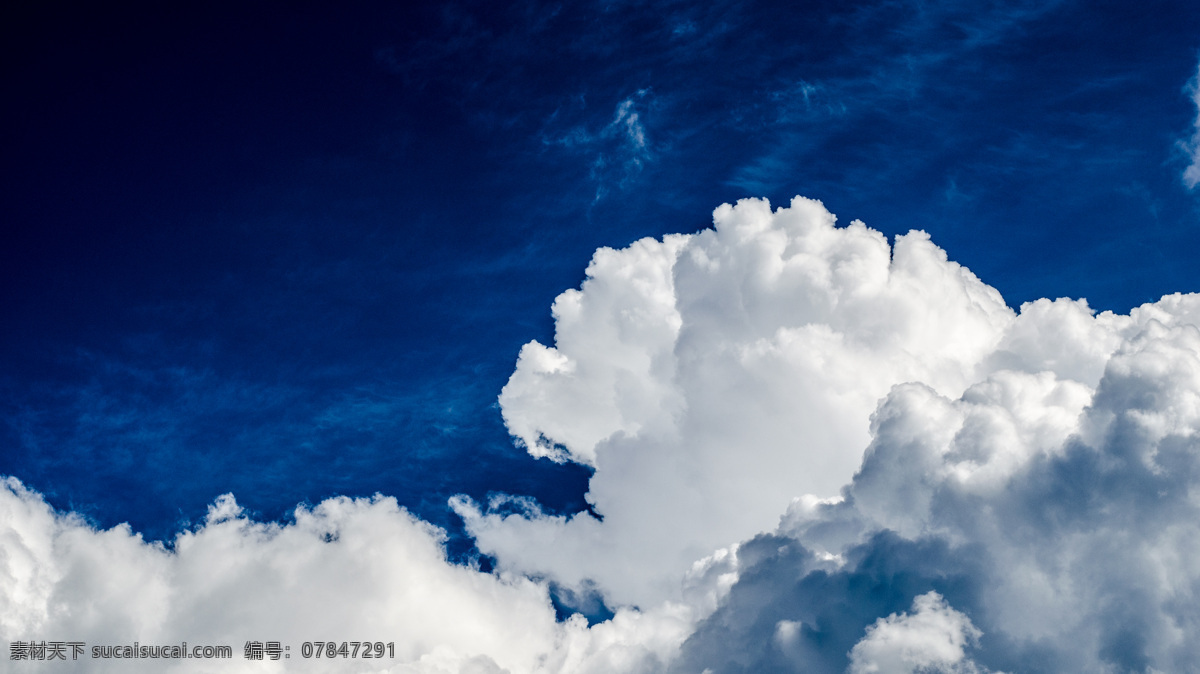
348 649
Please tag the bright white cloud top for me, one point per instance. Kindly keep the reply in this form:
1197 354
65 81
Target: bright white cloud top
813 451
712 378
932 637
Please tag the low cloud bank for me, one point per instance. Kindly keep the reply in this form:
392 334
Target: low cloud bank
347 570
814 451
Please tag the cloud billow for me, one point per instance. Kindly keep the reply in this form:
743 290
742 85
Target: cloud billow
813 449
1038 443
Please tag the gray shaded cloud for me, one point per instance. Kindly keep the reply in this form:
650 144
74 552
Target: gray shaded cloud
1076 555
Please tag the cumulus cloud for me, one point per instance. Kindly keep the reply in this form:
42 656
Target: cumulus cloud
737 365
1058 517
814 450
933 638
1001 459
345 570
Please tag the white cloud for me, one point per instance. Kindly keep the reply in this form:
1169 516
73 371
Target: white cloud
345 570
932 638
736 365
1063 516
1025 451
616 371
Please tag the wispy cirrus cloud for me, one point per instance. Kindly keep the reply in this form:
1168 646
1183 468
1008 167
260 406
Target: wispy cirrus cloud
1191 174
615 152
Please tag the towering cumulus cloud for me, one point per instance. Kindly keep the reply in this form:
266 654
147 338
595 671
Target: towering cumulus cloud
813 451
710 379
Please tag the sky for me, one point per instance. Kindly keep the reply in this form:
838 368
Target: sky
638 337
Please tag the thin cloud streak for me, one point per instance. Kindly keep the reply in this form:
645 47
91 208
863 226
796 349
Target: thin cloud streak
1191 175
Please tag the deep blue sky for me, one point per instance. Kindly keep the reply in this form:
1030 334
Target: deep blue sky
291 250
